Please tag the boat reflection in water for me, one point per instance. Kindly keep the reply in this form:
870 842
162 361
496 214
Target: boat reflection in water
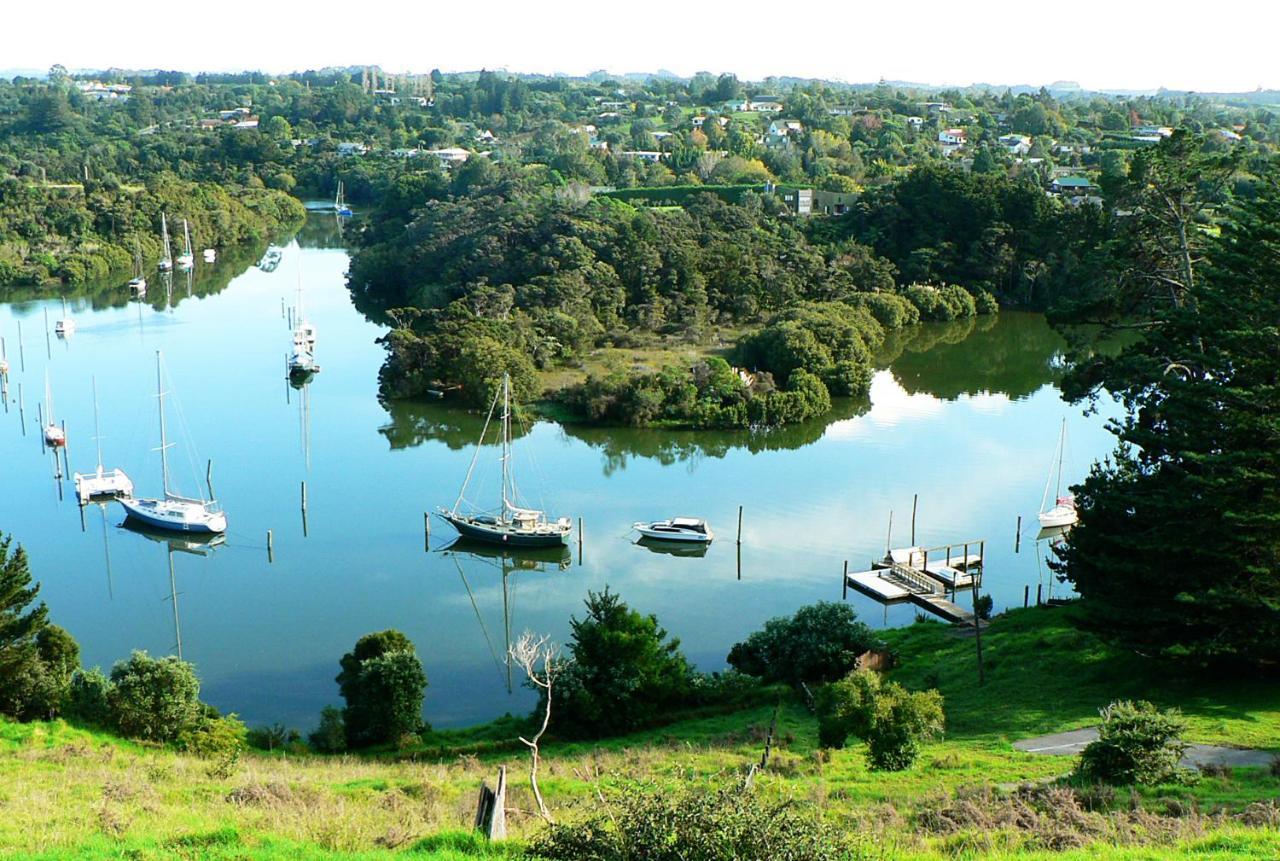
673 548
507 562
199 544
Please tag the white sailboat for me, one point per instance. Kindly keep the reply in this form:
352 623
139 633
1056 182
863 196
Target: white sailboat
1063 512
104 483
166 260
340 202
54 436
511 525
186 259
302 358
137 284
174 512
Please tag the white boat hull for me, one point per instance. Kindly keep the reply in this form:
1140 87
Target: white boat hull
659 532
1058 516
176 515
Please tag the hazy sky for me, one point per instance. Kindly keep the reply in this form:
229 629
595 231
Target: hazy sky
1099 43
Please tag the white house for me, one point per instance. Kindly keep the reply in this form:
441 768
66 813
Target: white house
915 123
642 154
952 137
1016 144
450 156
346 148
786 127
247 123
766 105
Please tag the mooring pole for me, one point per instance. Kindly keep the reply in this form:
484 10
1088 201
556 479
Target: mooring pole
1017 537
426 532
22 353
304 496
270 547
844 582
977 635
1026 595
739 524
1039 588
914 500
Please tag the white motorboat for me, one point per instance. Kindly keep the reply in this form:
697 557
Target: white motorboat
689 529
511 525
1063 513
65 327
174 512
210 255
104 483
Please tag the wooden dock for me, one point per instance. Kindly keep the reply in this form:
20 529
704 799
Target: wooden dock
924 576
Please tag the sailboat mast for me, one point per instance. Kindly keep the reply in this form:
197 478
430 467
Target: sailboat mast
97 427
1062 444
164 441
506 440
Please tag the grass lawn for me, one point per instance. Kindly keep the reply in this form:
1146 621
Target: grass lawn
67 792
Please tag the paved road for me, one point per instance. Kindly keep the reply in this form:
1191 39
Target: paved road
1071 743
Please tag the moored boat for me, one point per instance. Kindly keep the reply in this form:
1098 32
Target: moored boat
511 524
103 483
174 512
693 530
1063 513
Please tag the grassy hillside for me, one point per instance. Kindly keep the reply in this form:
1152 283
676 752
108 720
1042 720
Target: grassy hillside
67 792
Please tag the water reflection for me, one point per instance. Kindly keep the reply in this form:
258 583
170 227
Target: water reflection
1014 354
485 560
196 545
673 548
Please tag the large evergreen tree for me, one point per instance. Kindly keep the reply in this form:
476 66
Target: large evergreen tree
1178 546
23 688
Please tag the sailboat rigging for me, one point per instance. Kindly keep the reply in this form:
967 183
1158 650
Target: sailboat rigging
186 259
137 283
102 484
512 525
1063 512
54 436
172 511
302 358
166 260
340 202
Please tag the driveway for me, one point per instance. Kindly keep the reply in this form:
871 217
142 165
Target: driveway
1071 743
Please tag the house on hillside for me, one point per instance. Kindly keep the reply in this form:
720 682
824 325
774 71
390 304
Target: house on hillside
952 141
798 200
766 105
782 133
1071 186
737 105
349 148
450 156
915 123
1016 144
642 154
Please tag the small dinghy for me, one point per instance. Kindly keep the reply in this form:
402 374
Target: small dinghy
689 529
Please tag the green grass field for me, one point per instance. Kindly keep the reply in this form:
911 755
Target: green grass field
67 792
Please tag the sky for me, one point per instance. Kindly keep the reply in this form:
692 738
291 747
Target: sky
1102 44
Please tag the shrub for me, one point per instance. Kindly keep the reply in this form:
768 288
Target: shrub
331 735
893 721
214 736
624 670
88 697
820 643
1137 744
383 683
274 737
153 698
689 824
889 309
986 303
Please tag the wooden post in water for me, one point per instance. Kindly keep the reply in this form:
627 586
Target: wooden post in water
739 524
304 496
579 539
844 582
426 532
1026 596
914 500
1017 537
22 354
977 635
1039 587
270 548
22 411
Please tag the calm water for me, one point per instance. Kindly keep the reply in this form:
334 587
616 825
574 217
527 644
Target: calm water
965 415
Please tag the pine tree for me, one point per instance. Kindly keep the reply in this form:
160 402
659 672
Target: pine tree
1178 546
20 624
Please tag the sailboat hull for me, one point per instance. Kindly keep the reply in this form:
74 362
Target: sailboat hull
1059 515
175 515
490 531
